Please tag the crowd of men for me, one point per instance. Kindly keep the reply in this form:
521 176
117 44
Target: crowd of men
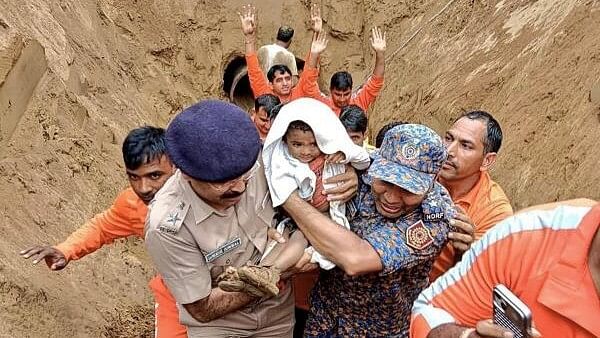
431 234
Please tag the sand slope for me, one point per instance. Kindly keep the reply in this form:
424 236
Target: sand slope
75 76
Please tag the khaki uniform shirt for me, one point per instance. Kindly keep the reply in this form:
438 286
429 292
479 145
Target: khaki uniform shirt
191 243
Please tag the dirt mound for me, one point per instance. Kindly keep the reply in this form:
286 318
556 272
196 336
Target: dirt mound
75 76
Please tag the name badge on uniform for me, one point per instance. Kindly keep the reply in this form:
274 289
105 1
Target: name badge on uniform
223 249
436 216
418 236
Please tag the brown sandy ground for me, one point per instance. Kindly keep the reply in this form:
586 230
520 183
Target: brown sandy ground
75 76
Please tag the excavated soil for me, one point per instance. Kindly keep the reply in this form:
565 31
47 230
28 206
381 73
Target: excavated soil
75 76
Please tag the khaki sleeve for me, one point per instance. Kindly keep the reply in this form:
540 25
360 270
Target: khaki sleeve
178 259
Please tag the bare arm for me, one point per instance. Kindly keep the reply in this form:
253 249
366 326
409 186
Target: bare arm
378 44
218 304
316 21
317 47
248 20
348 251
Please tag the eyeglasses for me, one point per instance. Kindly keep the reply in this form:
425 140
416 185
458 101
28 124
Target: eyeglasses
223 187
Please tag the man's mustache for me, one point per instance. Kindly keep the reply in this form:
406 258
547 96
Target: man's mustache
231 194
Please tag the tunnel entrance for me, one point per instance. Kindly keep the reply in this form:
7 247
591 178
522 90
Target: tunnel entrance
236 84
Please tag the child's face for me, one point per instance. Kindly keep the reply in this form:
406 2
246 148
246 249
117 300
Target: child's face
302 145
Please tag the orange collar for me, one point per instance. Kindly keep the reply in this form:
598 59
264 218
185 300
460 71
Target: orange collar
482 183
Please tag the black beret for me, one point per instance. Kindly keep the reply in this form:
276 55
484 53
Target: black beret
213 141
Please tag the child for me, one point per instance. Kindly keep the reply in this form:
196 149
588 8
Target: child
295 158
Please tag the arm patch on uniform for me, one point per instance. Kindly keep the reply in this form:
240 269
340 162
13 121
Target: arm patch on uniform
418 236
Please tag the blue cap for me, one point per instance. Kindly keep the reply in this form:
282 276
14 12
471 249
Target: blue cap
410 157
213 141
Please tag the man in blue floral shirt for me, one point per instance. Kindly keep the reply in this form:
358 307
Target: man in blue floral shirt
399 226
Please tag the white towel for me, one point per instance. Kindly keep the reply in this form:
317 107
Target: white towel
286 174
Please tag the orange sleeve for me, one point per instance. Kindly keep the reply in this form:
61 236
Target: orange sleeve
307 85
368 93
464 294
126 217
258 80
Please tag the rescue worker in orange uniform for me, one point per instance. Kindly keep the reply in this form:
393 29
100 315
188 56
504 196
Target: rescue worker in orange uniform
148 168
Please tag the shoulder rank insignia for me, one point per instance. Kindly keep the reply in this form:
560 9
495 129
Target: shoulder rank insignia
173 220
418 236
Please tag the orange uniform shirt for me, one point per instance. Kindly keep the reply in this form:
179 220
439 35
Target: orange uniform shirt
126 217
486 204
306 87
363 98
541 256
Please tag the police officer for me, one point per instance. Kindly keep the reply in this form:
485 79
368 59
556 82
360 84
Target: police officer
400 225
213 213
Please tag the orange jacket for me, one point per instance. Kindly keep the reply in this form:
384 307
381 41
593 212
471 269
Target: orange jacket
306 87
126 217
541 256
486 204
363 98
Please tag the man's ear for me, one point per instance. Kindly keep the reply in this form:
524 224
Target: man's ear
488 161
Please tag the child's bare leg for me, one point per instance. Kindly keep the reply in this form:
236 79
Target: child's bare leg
291 253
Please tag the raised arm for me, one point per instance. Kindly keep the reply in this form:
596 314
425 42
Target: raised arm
318 45
316 21
307 85
258 80
248 20
369 92
378 44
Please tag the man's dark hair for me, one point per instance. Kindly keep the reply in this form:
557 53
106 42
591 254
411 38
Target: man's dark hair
143 145
285 33
354 118
267 102
492 140
274 112
381 133
277 69
341 81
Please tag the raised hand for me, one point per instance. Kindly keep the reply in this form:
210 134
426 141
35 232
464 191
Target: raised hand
319 43
248 19
53 257
316 22
378 40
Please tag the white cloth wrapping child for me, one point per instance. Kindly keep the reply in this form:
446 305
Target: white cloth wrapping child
285 174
